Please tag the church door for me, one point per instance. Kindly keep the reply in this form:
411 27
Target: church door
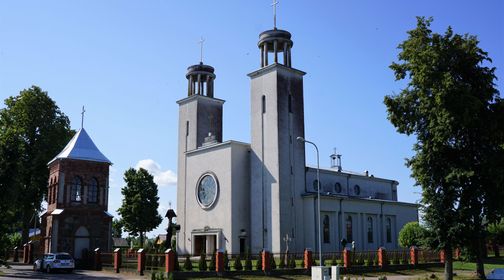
81 242
199 244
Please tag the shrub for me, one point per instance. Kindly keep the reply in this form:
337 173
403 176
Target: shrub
248 261
188 264
211 267
202 264
282 261
334 261
272 262
226 261
292 262
237 263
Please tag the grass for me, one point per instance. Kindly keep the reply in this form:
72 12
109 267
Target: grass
490 264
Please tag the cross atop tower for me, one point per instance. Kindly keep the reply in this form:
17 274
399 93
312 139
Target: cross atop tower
82 118
274 4
201 41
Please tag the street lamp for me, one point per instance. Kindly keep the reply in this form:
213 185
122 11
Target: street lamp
301 139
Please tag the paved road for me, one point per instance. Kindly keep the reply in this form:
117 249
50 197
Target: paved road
26 272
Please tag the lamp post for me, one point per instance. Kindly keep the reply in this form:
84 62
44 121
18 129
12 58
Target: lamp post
301 139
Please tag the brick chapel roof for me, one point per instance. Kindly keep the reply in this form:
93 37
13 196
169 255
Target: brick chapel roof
81 147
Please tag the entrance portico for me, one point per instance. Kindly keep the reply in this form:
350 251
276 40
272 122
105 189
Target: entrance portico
206 240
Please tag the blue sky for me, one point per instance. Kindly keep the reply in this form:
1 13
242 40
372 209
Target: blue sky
126 62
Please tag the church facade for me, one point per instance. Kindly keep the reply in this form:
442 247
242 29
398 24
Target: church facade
76 220
238 196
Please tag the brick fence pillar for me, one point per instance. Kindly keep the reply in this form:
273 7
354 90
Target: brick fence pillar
97 259
31 251
347 262
219 262
442 256
16 255
414 255
308 259
25 253
266 262
169 261
382 257
141 261
458 252
117 260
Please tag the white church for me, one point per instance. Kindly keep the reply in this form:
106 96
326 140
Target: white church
239 196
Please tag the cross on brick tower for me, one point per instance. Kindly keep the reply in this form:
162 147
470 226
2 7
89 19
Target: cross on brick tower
82 119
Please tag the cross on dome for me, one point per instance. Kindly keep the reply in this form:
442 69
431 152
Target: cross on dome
274 4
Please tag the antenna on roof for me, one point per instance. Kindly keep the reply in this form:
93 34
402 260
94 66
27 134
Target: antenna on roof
82 119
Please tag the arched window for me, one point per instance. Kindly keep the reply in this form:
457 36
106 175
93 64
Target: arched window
93 191
76 190
349 235
388 228
327 230
370 230
337 187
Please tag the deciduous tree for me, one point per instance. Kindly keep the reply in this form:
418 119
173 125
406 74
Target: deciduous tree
140 203
453 108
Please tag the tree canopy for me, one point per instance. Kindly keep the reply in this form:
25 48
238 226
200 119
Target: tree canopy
140 203
453 108
412 234
32 131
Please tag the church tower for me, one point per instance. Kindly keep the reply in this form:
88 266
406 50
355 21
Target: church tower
200 125
76 220
277 159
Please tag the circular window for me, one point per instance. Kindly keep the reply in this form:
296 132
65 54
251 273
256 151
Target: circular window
207 190
356 189
316 184
337 187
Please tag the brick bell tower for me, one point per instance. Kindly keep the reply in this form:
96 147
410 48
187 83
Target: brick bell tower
76 220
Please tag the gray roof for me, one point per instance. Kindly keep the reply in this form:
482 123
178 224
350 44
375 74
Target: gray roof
81 147
120 242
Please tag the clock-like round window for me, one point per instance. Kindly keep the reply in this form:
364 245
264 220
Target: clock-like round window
207 190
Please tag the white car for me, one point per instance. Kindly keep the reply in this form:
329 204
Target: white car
55 261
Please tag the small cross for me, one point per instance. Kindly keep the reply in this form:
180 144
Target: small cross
274 4
287 240
201 41
82 119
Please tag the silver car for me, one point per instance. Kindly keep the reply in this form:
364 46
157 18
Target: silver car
55 261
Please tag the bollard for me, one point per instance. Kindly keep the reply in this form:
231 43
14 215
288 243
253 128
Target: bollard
266 263
25 253
414 255
141 261
169 261
308 258
31 252
117 260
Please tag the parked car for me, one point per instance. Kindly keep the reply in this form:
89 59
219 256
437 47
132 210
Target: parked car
54 261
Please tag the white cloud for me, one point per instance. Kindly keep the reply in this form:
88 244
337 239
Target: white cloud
162 178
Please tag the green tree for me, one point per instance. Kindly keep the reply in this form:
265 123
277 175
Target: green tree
32 131
117 228
452 107
412 234
140 203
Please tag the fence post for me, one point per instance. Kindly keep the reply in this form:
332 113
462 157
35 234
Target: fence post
31 250
219 262
97 259
25 253
414 255
141 261
169 261
307 258
266 262
16 255
382 257
117 260
347 262
442 256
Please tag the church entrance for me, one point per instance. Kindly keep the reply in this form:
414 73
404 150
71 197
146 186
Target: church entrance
204 243
81 243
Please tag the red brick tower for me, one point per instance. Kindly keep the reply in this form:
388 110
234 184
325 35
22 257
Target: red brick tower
76 220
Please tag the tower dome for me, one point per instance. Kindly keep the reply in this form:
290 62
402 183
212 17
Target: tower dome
200 78
275 41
